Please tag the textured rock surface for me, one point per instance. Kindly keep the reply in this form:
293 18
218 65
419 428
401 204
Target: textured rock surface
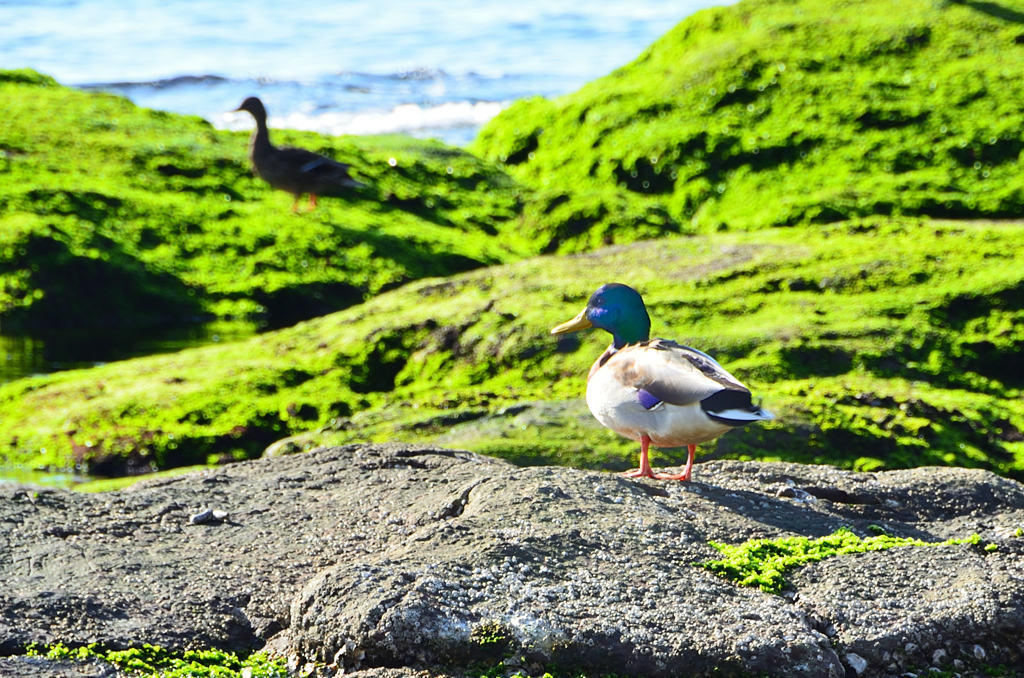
36 667
397 556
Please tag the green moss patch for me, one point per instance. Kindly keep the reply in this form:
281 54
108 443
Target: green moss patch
149 660
881 336
764 562
869 340
112 214
769 113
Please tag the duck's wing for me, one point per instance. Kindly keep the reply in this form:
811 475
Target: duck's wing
663 371
671 372
317 169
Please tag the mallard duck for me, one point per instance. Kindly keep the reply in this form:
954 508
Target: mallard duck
655 390
295 170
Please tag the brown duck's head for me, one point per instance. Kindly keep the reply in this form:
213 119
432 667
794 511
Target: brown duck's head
254 106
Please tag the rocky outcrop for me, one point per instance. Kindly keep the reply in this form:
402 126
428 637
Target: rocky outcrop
388 556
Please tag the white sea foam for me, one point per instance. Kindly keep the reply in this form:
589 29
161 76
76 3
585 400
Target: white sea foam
403 118
422 68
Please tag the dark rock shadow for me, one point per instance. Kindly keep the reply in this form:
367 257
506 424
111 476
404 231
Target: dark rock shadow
73 290
994 10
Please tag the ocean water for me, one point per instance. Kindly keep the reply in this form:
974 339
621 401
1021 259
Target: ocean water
426 68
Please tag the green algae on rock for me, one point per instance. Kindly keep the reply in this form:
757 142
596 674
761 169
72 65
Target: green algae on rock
886 343
881 341
149 660
763 562
769 113
116 215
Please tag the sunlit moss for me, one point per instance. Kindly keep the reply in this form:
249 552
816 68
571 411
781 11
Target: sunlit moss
852 335
881 340
150 660
112 213
764 562
768 113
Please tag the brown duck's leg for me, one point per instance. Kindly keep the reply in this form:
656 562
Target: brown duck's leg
687 470
312 201
295 205
645 470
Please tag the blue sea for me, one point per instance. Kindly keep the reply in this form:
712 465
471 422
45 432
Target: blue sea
425 68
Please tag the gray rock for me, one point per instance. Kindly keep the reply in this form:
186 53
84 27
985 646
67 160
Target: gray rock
573 568
204 516
371 556
856 662
208 515
39 667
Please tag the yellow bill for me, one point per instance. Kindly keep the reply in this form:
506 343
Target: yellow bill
580 322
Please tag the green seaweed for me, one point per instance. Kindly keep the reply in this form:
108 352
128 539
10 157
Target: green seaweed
114 215
764 562
769 113
881 336
869 341
150 660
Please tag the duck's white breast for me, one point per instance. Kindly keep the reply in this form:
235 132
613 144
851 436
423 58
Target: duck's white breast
617 406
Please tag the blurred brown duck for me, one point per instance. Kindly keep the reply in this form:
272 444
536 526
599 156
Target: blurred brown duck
295 170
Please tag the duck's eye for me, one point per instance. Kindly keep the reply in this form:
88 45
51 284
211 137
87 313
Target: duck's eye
599 301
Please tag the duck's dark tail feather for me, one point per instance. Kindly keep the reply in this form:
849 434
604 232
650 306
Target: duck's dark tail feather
733 407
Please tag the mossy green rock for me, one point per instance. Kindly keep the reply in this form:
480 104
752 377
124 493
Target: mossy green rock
150 661
764 562
892 343
770 113
880 341
115 215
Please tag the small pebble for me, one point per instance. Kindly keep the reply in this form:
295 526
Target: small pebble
208 516
798 494
857 663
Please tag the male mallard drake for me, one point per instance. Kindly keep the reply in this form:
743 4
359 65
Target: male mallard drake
295 170
655 390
